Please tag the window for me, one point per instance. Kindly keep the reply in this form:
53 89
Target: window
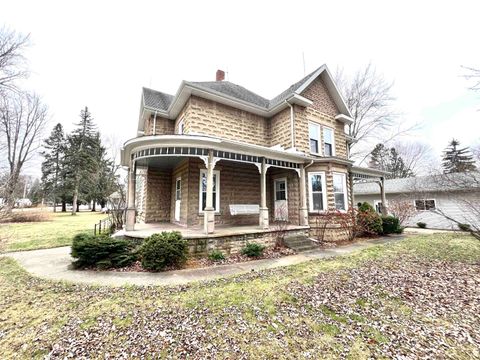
281 189
328 141
178 189
422 205
314 133
317 191
181 127
340 191
203 190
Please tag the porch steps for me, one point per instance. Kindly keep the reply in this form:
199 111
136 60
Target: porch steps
299 243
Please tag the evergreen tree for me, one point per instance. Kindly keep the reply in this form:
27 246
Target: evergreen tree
457 159
388 159
52 166
35 194
80 159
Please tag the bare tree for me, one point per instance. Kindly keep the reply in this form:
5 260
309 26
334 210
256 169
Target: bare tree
473 75
12 61
22 121
368 96
417 156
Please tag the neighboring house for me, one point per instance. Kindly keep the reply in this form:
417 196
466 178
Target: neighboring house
216 154
450 194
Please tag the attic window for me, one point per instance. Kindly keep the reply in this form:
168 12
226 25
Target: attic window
314 133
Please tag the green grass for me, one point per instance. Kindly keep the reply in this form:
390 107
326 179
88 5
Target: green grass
35 314
58 231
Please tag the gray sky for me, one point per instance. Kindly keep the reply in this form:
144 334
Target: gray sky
101 53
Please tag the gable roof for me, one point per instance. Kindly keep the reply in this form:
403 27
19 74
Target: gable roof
237 96
430 183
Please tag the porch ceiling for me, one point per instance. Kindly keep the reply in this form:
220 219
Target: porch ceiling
164 162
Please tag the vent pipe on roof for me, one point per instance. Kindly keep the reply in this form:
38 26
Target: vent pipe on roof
220 76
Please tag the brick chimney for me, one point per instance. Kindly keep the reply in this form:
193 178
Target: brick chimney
220 75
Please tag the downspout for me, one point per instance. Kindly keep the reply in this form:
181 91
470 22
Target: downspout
155 123
292 124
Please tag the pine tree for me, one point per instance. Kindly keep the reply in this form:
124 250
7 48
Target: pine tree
52 165
388 159
457 159
80 157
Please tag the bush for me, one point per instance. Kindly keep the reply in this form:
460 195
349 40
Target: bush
22 216
464 227
101 251
162 250
368 220
216 255
391 225
253 250
421 225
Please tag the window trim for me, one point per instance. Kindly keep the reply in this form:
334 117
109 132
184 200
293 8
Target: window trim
425 208
319 138
178 191
333 139
345 190
200 192
324 192
275 190
181 125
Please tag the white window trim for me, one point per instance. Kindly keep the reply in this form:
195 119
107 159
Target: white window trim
415 205
319 138
181 125
217 200
333 139
324 192
345 190
275 190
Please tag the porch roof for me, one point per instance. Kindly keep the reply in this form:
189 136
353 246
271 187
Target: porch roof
207 143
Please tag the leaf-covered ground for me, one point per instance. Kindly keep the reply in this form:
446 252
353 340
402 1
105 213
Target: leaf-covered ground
418 298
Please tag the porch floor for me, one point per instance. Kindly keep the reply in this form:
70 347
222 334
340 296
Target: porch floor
196 232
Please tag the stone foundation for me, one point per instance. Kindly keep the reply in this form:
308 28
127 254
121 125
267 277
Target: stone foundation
233 244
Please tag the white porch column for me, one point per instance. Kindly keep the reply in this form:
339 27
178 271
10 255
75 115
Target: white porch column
263 218
209 211
303 198
130 212
384 197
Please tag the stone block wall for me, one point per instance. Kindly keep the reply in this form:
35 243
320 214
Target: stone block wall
158 199
233 244
163 126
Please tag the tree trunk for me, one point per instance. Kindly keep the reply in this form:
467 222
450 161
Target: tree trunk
78 206
102 204
64 205
94 206
54 206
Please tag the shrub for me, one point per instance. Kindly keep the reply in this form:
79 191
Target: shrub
101 251
22 216
162 250
368 220
216 255
253 249
391 225
421 225
464 227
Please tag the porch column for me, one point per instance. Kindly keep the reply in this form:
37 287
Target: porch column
263 220
303 198
209 211
130 212
384 197
352 198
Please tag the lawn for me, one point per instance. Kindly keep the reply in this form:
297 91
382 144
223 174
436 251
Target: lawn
58 231
417 298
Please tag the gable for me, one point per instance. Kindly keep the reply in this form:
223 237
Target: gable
318 93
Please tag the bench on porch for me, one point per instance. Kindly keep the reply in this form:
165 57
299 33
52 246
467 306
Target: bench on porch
244 209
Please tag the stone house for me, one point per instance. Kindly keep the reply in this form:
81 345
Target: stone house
217 159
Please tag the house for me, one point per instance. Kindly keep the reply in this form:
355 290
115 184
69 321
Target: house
217 158
432 197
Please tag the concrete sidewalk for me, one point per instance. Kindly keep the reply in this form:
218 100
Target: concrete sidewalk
53 264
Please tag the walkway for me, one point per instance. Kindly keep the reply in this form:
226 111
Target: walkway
53 264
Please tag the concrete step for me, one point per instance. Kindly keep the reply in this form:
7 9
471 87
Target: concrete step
299 243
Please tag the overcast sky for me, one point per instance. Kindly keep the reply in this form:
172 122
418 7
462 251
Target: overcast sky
100 53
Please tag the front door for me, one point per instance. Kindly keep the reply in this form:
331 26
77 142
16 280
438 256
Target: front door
178 198
281 199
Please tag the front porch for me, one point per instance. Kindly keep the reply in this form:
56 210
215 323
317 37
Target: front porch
229 239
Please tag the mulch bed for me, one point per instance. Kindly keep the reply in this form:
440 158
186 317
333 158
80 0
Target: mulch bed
202 262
